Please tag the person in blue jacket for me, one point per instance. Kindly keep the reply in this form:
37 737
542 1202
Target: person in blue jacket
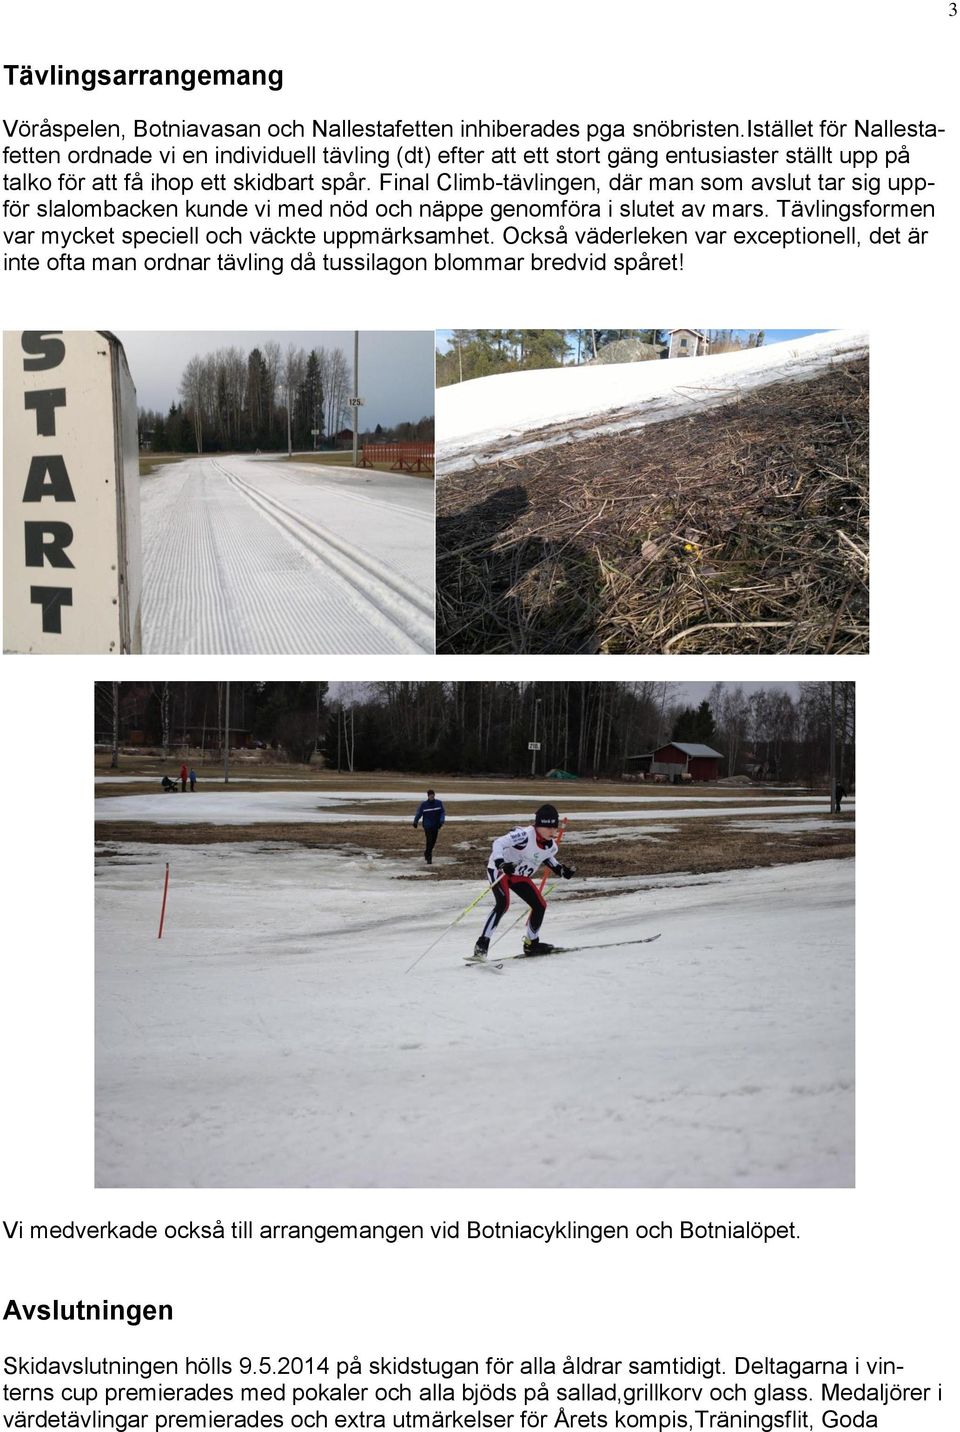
432 813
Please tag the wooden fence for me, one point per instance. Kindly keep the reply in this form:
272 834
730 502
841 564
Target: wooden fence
401 457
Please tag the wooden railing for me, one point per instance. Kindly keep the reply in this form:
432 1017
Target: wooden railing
401 457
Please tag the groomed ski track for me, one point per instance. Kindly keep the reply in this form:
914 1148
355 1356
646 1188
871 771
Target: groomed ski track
248 555
274 1038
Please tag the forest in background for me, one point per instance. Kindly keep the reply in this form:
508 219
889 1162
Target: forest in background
481 352
474 728
267 400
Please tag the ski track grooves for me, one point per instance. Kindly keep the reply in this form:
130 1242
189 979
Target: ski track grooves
215 582
301 479
395 601
187 560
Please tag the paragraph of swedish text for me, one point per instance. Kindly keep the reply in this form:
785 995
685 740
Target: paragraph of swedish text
534 1393
409 196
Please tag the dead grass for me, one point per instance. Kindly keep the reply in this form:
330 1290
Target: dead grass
697 846
269 772
742 529
153 461
345 459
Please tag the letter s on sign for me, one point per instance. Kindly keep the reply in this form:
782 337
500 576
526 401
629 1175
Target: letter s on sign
48 346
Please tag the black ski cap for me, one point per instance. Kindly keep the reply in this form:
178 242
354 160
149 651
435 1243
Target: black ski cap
547 815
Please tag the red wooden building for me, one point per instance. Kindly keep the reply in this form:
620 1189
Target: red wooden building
689 760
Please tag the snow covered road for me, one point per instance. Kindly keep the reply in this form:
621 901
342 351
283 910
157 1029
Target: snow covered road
276 1035
251 555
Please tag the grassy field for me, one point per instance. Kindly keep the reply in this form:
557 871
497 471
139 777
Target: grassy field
342 459
151 462
644 843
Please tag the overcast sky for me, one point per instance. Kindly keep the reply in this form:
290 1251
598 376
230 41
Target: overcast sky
680 693
396 368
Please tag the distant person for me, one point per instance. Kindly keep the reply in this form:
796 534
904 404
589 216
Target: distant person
841 794
193 779
168 785
432 813
183 777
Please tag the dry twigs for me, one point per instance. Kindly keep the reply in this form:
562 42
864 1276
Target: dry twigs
742 529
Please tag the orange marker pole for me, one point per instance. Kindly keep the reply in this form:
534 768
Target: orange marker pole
163 907
543 877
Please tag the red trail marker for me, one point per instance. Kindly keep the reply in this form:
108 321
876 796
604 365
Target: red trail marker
163 907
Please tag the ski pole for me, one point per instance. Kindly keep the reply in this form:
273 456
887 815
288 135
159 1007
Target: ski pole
470 907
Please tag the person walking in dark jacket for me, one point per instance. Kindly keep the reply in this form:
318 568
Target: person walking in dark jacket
432 813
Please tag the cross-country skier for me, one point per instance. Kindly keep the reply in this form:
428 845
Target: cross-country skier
514 860
433 815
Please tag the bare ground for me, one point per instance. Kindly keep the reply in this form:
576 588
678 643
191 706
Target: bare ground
742 529
695 845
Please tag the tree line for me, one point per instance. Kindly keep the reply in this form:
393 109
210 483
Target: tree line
267 400
482 352
589 729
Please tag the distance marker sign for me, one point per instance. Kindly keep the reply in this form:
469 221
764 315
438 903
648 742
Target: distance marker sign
71 495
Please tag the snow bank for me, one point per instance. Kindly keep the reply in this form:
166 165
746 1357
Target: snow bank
486 412
275 1037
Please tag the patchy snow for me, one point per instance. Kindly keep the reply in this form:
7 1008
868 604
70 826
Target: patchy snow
214 774
236 807
241 555
488 413
633 832
788 827
207 773
275 1036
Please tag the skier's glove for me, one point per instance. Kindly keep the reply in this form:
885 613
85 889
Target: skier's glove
506 867
566 872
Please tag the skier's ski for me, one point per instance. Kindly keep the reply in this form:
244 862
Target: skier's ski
569 949
497 962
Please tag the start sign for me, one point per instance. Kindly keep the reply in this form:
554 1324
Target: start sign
71 495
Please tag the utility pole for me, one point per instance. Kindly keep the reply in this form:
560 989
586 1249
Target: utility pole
289 424
356 394
833 748
115 758
533 753
663 702
226 733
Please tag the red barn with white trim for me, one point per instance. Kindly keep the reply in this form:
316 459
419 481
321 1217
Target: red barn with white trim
690 760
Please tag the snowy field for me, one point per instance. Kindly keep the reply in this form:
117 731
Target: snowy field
250 555
277 1036
232 807
487 417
